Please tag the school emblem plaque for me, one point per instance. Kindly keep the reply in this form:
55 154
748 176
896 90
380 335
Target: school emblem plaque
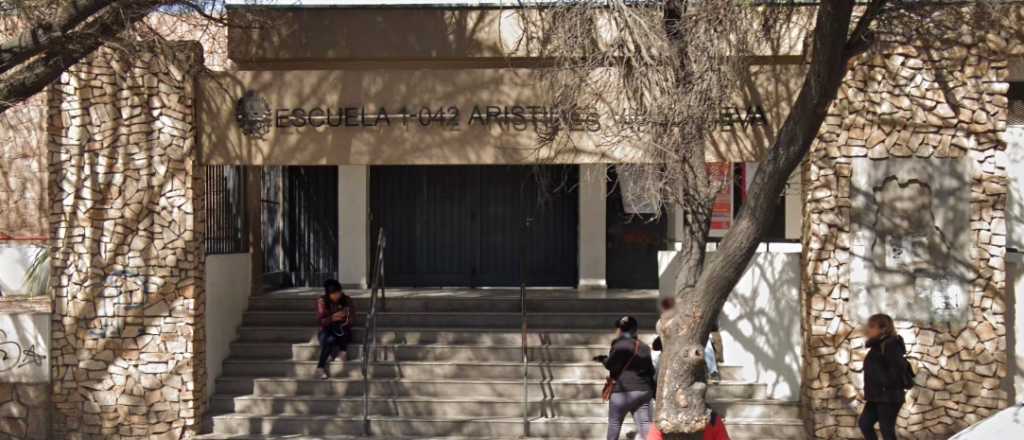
252 113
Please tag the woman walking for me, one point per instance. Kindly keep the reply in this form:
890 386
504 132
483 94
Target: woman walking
334 312
630 379
885 369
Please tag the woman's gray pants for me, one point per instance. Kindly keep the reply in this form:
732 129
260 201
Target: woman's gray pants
636 402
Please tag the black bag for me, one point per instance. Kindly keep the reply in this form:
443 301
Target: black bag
906 371
907 377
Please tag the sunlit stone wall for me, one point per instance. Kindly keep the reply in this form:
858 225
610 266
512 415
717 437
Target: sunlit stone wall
943 107
126 234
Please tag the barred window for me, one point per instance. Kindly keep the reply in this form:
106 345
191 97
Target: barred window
226 222
1016 96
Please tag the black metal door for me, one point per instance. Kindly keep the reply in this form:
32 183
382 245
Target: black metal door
300 225
464 225
633 242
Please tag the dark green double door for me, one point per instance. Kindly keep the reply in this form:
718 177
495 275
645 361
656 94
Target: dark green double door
463 226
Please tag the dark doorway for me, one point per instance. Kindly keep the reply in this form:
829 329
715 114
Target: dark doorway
633 242
463 226
300 225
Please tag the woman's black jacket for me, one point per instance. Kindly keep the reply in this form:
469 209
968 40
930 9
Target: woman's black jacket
639 375
883 370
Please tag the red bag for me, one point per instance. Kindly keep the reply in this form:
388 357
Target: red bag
655 434
714 431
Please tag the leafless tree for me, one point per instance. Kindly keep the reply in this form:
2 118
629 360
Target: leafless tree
669 66
42 38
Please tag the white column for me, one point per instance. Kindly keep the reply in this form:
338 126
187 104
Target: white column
794 204
592 246
674 215
353 231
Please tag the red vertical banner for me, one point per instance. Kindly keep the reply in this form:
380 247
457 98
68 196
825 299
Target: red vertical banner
720 174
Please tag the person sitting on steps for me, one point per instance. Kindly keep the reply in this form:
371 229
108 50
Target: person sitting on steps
335 312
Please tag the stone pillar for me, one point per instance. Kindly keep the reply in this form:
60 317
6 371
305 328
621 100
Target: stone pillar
126 230
353 230
895 111
593 226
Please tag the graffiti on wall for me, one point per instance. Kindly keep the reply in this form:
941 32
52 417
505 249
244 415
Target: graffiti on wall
909 252
13 355
24 345
123 290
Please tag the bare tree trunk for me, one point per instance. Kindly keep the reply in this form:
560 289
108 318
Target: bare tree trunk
682 381
31 61
681 407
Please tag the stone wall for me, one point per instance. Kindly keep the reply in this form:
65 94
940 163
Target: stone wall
126 229
22 177
908 100
24 411
24 368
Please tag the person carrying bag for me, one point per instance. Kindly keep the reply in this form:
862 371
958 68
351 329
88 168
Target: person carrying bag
629 387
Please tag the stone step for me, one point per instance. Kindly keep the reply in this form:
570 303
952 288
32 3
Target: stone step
496 427
534 304
431 369
536 336
434 352
354 437
495 389
424 407
420 320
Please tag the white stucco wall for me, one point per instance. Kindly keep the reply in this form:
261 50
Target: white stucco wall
1014 137
354 233
761 321
1015 325
15 260
593 224
228 285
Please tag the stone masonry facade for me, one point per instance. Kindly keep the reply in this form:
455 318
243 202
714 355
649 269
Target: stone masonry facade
126 231
24 411
907 99
22 163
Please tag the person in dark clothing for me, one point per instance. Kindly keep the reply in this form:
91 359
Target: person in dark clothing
883 389
334 313
629 364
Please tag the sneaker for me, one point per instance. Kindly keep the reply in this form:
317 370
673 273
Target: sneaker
321 373
714 377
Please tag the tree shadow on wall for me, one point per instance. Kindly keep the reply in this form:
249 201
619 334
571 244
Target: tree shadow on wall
126 250
766 321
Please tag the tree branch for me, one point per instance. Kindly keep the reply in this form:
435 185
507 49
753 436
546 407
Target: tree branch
862 36
40 36
30 77
828 66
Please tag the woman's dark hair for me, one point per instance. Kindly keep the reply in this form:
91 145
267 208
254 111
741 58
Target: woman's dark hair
627 324
883 322
331 286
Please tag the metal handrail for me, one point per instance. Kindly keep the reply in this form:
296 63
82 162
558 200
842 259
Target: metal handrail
524 327
370 334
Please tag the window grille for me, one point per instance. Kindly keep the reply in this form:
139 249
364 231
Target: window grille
226 222
1016 96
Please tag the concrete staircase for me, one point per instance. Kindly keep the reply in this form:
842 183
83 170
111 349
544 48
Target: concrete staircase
450 367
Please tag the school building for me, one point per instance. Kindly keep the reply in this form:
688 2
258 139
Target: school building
187 216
